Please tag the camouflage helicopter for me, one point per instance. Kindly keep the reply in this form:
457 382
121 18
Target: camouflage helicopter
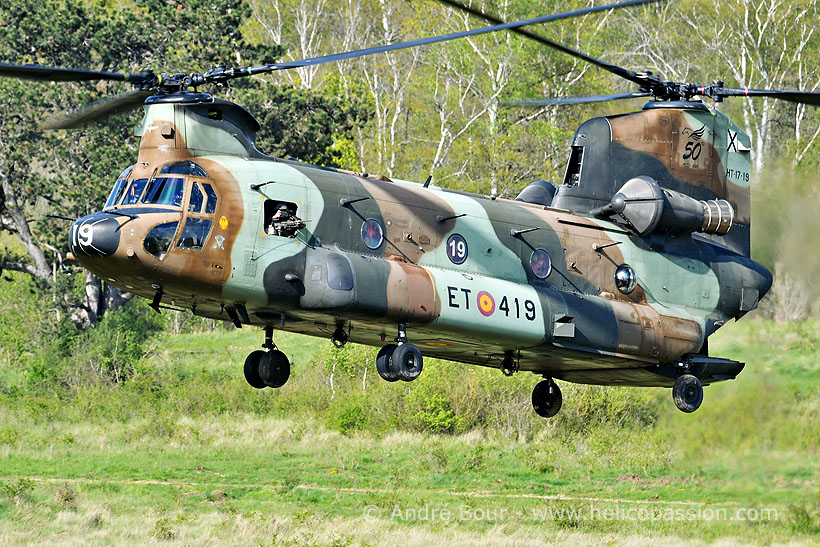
616 277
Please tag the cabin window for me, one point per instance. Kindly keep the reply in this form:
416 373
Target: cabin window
210 205
134 191
165 191
576 161
280 218
184 168
194 233
372 234
540 263
195 203
159 239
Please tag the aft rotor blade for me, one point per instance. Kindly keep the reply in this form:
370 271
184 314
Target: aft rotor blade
56 74
791 95
614 69
431 40
98 109
575 100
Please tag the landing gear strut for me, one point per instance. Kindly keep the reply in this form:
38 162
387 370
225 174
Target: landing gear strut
400 362
687 393
339 337
269 368
546 398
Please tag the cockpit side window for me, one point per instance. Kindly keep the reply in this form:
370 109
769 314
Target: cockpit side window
210 206
134 191
165 191
184 168
195 203
194 233
159 239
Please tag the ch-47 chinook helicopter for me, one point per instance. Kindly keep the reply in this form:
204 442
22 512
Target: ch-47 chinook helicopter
617 277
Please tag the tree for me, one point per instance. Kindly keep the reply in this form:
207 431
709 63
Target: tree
69 173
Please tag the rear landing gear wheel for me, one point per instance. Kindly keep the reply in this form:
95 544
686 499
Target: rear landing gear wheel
252 369
384 365
687 393
407 361
546 398
274 368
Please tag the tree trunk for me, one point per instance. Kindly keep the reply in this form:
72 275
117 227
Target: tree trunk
99 298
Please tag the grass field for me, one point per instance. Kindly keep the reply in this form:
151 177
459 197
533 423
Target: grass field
186 453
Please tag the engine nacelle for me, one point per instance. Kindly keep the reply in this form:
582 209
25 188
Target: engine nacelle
645 207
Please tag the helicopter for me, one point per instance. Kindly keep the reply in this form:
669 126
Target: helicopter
618 276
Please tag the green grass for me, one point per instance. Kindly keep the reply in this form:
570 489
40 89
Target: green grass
185 452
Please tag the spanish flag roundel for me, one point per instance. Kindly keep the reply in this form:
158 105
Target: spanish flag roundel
486 303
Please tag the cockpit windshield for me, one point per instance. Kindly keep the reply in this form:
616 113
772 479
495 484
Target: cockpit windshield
167 188
134 191
119 188
165 191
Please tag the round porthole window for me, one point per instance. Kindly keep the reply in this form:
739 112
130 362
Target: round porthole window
540 263
372 233
456 249
625 278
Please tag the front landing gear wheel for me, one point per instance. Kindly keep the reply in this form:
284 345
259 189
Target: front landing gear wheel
274 368
384 365
687 393
546 398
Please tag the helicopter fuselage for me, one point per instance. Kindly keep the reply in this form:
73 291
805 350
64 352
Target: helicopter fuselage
204 221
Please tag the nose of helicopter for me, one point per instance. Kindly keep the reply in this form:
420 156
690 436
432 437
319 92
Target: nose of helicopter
95 235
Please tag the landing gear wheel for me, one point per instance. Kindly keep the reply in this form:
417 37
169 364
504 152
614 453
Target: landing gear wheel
687 393
384 365
252 369
407 361
546 398
274 368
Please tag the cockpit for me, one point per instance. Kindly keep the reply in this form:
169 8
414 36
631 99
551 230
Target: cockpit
180 186
166 188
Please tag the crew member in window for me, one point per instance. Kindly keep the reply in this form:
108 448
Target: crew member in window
284 222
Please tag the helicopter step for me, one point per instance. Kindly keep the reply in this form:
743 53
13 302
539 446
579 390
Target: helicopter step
546 398
268 368
399 362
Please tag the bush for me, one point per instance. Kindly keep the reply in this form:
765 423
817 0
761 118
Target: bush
429 409
348 413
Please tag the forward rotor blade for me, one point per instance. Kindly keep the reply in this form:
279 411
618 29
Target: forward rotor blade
791 95
575 100
98 109
501 25
614 69
56 74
